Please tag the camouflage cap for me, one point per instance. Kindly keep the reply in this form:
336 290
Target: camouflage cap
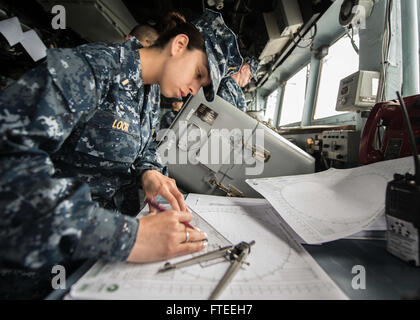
254 65
221 48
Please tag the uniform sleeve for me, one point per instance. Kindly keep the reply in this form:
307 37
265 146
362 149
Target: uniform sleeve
225 93
45 220
167 120
232 93
241 103
150 158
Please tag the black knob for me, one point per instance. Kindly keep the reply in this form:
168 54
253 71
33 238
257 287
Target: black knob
339 156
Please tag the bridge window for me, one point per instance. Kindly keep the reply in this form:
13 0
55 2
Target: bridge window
294 97
271 106
341 61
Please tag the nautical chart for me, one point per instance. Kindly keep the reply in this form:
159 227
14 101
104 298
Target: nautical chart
332 204
279 267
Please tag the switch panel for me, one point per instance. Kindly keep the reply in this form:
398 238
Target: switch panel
341 145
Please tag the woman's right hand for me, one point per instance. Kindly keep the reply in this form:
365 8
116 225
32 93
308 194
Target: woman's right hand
162 236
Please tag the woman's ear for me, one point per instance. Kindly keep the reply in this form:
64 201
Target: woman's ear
179 44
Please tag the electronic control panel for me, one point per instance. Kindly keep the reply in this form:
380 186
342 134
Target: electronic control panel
341 145
358 91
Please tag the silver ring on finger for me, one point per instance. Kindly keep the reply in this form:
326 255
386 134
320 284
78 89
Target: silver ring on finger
187 236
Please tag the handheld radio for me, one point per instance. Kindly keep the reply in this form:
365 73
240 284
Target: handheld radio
402 207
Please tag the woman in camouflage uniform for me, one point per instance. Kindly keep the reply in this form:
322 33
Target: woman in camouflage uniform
80 128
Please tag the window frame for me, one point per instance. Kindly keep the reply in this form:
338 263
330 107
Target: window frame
277 104
283 87
321 67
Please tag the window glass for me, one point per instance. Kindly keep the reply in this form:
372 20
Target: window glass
294 97
341 61
270 109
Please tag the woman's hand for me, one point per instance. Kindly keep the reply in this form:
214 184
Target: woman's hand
154 183
162 236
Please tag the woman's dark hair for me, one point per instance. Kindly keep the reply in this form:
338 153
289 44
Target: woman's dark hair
173 24
170 20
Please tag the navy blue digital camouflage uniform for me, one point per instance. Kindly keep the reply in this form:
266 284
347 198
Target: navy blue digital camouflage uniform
4 82
167 119
254 65
75 132
223 56
229 89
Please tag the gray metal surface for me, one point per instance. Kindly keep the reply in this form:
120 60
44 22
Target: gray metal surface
387 277
96 20
238 141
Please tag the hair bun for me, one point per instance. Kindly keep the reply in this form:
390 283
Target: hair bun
171 20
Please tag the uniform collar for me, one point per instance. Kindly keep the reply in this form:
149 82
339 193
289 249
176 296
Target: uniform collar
133 43
130 63
232 81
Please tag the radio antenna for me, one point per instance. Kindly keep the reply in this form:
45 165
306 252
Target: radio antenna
411 136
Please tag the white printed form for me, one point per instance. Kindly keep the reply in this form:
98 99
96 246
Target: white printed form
280 268
332 204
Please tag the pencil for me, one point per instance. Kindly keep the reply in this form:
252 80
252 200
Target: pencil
161 208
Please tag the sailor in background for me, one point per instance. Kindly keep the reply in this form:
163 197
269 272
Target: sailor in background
144 33
170 116
80 128
231 87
